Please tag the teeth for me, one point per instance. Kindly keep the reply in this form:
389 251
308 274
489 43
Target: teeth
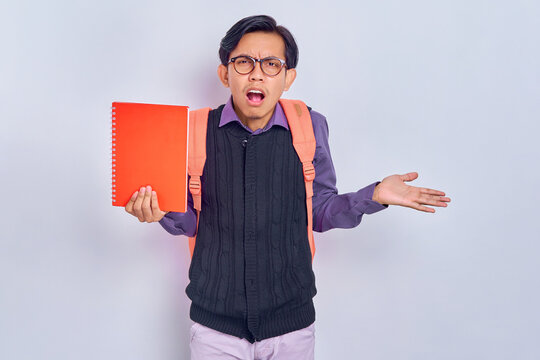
255 91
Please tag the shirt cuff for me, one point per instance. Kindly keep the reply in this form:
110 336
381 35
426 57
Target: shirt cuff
176 223
365 197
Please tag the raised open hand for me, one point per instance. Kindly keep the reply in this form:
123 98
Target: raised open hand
393 191
144 205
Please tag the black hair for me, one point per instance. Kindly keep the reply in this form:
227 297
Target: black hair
258 23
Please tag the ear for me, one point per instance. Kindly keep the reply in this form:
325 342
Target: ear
290 75
223 74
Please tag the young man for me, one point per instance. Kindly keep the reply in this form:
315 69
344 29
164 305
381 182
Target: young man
251 278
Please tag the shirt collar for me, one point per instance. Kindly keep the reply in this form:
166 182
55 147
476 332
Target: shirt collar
229 115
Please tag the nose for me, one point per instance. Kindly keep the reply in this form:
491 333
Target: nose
257 73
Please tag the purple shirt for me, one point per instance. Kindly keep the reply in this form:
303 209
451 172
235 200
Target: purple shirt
330 209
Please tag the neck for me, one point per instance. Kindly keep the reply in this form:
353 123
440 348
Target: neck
254 123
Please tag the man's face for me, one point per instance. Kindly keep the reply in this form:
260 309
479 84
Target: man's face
250 107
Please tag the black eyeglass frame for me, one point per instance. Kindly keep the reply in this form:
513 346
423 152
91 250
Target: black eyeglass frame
255 61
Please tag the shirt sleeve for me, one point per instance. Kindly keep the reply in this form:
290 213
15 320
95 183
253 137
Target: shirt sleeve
177 223
330 209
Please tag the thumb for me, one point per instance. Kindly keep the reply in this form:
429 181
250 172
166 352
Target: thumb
409 176
155 205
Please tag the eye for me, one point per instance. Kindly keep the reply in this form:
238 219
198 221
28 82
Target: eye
272 63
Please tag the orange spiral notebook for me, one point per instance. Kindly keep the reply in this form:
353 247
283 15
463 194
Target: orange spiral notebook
149 147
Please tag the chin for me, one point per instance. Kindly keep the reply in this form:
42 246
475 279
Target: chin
254 116
254 112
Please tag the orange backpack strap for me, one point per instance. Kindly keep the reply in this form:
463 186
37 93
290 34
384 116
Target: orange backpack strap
198 120
304 143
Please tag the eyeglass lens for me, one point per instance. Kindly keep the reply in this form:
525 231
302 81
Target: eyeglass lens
245 65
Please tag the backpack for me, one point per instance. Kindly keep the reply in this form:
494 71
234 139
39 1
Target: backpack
303 138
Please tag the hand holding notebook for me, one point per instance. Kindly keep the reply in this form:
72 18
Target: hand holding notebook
145 206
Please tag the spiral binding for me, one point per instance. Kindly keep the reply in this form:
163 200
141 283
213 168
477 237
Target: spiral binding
113 135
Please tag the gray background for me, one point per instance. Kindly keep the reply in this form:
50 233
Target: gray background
449 89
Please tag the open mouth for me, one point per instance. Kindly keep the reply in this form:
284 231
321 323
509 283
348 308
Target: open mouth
255 97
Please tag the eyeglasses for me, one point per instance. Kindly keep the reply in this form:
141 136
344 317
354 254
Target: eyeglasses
244 65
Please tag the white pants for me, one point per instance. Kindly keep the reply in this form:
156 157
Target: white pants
210 344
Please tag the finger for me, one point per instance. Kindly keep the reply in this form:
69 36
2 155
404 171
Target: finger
146 210
425 209
432 200
156 211
432 191
129 205
417 206
438 195
440 198
409 176
138 203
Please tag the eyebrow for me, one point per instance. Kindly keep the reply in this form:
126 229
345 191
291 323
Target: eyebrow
271 56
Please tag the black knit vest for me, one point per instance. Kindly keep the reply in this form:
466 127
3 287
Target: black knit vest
251 273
